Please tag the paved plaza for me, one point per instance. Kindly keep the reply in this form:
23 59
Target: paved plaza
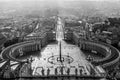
61 58
78 60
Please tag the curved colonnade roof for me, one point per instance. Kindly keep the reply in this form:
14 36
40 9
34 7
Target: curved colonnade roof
111 57
5 54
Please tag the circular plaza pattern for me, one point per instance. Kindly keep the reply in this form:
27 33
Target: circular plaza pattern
66 59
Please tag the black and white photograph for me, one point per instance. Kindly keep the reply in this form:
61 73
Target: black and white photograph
59 39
